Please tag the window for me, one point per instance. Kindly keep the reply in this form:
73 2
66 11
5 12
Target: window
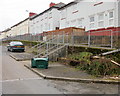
50 15
49 26
110 14
41 28
101 20
100 17
80 23
63 14
92 21
67 23
111 18
46 27
73 22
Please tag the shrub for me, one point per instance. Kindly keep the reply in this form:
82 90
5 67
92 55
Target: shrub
100 67
80 56
97 67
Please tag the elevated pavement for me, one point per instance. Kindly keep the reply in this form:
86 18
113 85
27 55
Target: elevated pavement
57 71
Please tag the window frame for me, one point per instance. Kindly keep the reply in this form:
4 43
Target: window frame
101 20
80 22
92 23
112 18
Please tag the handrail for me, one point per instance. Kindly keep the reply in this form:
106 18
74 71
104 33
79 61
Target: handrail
46 51
55 50
45 41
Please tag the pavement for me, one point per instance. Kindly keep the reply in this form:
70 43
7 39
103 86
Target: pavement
21 56
58 71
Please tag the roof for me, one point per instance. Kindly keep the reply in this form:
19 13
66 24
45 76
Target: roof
69 4
6 30
57 6
44 12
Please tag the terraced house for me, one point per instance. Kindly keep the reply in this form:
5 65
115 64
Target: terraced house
48 20
5 33
20 28
91 15
95 15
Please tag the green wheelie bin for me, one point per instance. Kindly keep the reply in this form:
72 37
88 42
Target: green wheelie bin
39 63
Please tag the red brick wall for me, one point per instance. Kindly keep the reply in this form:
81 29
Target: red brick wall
65 30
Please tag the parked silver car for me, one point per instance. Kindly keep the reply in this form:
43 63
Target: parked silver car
16 46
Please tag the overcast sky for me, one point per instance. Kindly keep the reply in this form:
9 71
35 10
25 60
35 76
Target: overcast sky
14 11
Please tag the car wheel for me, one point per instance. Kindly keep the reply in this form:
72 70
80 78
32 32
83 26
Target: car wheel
11 50
8 50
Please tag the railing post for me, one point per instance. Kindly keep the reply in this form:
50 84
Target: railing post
111 38
52 37
63 37
88 38
67 38
66 49
57 39
47 47
72 39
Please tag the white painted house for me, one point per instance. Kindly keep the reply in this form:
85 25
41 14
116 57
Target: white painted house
5 33
2 35
87 14
90 14
48 20
20 28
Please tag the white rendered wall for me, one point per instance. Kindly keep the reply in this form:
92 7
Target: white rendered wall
83 10
48 21
19 29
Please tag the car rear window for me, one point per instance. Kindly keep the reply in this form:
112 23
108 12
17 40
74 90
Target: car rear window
16 43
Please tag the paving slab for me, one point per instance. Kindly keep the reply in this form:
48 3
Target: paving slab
60 70
21 56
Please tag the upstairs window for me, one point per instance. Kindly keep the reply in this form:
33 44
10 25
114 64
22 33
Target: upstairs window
111 18
101 20
50 15
92 21
73 22
46 27
63 14
110 14
80 23
67 24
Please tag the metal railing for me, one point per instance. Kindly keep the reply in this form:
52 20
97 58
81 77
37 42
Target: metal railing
104 38
53 42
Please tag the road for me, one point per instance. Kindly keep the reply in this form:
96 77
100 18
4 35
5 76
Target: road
17 79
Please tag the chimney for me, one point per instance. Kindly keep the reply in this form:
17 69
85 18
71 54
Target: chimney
52 4
31 14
